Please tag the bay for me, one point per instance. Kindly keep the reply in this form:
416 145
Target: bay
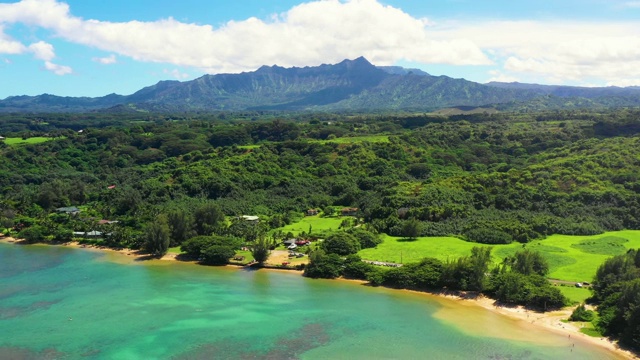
65 303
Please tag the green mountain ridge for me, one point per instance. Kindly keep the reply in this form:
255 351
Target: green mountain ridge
351 85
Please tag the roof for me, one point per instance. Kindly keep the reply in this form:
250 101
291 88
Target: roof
250 217
104 222
90 233
68 209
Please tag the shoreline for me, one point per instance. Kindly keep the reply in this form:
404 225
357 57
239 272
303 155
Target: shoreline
549 321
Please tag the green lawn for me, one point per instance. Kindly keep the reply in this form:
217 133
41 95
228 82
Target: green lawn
398 250
33 140
174 250
571 258
317 224
576 258
248 147
574 294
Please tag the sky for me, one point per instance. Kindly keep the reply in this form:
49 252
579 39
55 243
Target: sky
95 48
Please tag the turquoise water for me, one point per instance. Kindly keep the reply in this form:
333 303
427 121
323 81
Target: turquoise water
62 303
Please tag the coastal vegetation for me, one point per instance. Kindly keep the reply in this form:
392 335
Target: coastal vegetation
496 202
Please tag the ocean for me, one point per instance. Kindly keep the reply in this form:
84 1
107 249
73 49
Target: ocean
67 303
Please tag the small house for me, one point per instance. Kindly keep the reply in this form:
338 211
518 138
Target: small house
312 212
349 211
250 218
107 222
88 234
71 210
289 242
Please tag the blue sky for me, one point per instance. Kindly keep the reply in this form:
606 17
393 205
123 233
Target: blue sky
93 48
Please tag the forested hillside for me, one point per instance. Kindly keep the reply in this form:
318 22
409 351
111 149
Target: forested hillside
186 180
525 177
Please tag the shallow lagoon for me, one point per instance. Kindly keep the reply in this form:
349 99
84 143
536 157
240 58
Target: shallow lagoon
63 303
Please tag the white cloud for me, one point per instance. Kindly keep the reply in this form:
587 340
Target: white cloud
42 51
8 45
176 74
308 34
327 31
501 77
558 51
57 69
111 59
631 4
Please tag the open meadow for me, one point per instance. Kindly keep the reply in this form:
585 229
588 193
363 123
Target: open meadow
32 140
571 258
315 224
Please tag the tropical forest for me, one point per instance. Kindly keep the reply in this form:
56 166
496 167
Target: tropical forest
529 207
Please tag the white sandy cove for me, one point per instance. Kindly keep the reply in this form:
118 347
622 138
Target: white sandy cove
472 321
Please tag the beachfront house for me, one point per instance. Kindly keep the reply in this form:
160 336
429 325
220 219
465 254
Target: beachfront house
88 234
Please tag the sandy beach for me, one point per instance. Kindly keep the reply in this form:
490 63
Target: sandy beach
473 321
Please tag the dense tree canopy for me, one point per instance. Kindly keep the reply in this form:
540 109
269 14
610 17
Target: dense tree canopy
617 292
486 178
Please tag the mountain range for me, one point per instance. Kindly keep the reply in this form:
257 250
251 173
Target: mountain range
351 85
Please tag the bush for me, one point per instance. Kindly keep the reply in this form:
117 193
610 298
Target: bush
488 236
217 254
322 265
355 268
581 314
63 235
194 246
341 243
366 238
33 234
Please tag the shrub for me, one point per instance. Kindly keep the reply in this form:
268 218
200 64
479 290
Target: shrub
488 236
581 314
217 254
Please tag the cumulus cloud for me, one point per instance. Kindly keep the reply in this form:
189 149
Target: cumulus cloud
176 74
111 59
57 69
8 45
42 51
326 31
307 34
501 77
558 51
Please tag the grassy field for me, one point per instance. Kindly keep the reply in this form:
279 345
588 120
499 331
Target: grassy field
357 139
574 294
399 250
248 147
33 140
571 258
174 250
317 223
576 258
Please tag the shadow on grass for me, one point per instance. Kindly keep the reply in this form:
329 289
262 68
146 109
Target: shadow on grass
405 239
